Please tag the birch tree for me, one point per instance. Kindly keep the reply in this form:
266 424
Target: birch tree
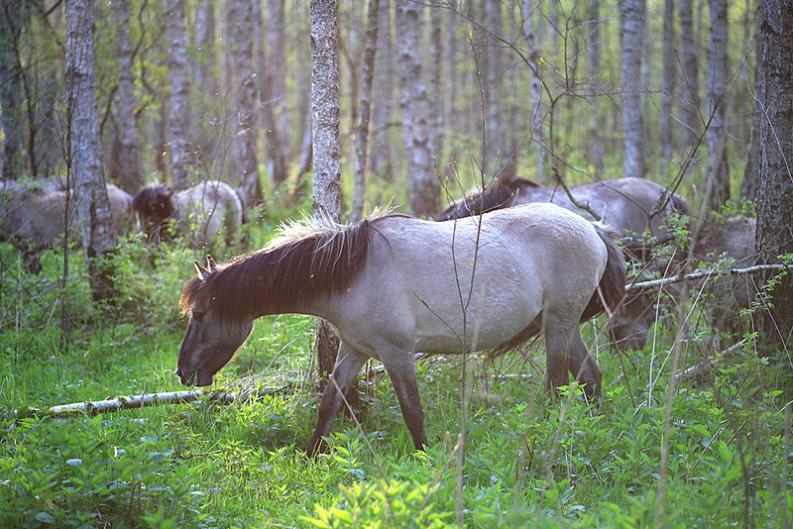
632 31
327 143
274 98
363 115
423 189
716 104
93 210
751 173
437 93
242 43
10 94
492 61
689 83
775 197
381 158
666 130
128 162
596 150
179 108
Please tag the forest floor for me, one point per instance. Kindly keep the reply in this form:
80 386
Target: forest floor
530 460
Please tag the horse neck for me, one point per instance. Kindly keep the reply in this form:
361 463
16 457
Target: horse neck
320 307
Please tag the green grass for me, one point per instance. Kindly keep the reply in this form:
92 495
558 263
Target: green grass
530 460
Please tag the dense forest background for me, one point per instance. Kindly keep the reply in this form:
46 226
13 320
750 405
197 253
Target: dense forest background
549 77
334 110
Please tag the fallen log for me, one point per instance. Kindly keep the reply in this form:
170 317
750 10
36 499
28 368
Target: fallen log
703 273
148 399
708 362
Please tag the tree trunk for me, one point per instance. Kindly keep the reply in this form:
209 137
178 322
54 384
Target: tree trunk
327 143
689 84
274 96
596 149
716 104
492 61
129 177
93 210
179 77
423 187
205 45
205 81
666 120
632 31
381 158
775 197
242 43
437 92
363 115
751 173
10 95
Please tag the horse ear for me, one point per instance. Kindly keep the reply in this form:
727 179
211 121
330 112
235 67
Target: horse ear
169 191
211 265
201 271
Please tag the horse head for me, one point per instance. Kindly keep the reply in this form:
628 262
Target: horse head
212 337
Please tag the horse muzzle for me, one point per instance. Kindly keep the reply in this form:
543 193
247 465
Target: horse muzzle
195 378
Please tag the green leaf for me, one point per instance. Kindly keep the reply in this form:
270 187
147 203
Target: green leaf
45 517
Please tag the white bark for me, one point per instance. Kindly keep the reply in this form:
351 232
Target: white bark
716 104
422 184
327 144
364 112
535 89
632 30
130 178
179 77
325 110
93 209
242 48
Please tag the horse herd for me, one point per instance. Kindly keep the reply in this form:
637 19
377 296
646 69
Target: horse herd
34 214
498 268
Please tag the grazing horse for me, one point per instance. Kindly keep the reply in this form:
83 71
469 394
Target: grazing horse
395 285
198 212
733 238
33 215
629 205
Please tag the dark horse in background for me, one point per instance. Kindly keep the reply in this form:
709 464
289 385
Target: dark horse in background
391 286
634 207
198 213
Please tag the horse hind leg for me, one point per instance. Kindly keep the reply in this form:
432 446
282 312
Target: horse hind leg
348 364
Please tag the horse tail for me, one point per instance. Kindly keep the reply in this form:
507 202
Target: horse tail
612 284
243 206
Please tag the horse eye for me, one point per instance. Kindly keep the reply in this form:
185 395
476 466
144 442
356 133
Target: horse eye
198 315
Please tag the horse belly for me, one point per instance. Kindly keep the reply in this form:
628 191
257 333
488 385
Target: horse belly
497 311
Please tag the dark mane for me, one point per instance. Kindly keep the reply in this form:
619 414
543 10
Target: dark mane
495 197
275 278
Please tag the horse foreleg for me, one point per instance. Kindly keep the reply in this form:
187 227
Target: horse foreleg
583 366
402 371
348 364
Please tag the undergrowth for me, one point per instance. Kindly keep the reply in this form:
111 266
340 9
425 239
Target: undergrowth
530 461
